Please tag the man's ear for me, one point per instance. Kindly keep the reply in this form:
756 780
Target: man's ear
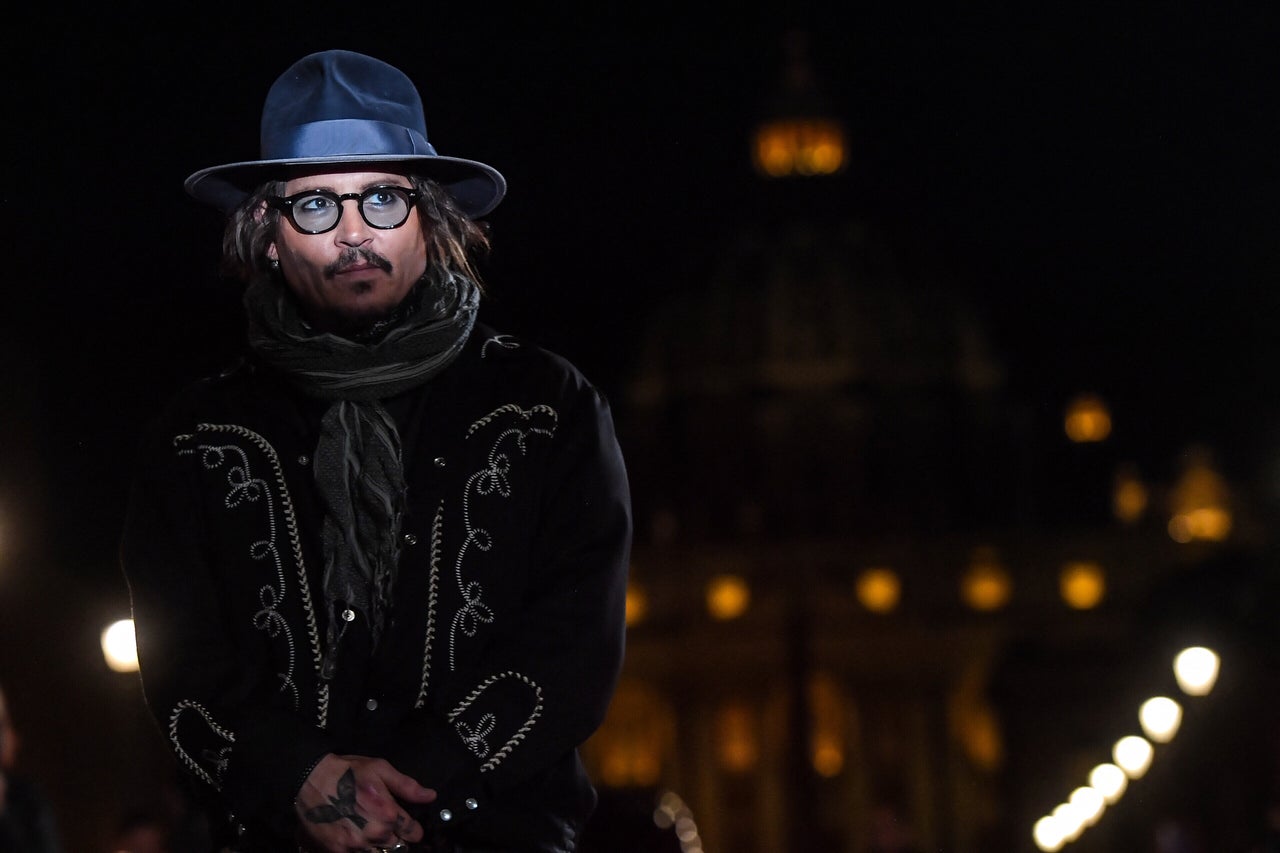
272 253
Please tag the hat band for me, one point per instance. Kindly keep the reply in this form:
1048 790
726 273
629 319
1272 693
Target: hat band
347 137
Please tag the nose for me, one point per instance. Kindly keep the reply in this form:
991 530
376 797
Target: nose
352 230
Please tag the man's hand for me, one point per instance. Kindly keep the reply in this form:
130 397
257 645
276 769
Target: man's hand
352 803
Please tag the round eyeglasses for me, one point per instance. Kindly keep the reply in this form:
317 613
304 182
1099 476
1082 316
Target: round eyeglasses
318 211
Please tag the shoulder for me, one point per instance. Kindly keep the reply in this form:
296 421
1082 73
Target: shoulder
237 393
517 366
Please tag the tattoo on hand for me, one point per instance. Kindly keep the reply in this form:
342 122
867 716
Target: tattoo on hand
343 805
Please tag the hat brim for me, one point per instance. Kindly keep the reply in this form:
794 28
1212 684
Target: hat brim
476 187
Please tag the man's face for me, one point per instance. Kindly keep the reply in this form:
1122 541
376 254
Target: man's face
355 273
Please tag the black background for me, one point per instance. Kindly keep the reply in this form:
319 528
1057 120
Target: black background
1100 183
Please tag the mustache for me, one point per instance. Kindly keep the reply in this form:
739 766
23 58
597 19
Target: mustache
357 256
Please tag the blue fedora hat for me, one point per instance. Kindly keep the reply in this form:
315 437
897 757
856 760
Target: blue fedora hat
339 108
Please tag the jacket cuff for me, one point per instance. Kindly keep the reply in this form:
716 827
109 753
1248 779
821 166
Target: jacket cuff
266 772
434 754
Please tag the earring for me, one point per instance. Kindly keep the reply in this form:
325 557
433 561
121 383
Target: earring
274 263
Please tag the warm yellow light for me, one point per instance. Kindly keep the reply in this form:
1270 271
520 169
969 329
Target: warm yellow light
1160 717
637 604
1082 584
1206 523
1129 496
982 741
728 597
646 768
1196 669
1200 501
828 711
1087 419
1048 834
1133 755
1109 781
119 646
878 589
828 757
637 734
1089 804
736 741
986 585
799 146
1070 821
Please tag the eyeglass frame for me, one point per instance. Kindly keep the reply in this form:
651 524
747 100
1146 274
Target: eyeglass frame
284 204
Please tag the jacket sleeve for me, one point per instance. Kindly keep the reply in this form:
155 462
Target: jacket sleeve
218 704
545 681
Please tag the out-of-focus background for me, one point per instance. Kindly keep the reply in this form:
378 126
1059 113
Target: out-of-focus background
940 343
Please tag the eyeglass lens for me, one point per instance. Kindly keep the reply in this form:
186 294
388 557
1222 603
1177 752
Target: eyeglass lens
381 207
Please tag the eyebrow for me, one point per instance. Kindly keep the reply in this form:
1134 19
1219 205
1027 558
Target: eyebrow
389 181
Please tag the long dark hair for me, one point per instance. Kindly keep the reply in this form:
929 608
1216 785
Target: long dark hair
454 242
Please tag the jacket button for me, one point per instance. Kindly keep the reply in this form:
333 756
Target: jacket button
439 462
371 704
472 804
348 615
410 539
304 460
446 815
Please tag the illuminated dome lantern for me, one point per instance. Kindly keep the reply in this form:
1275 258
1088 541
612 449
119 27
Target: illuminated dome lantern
799 137
1087 419
738 741
1082 584
828 733
986 585
878 589
1129 496
728 596
637 604
1200 502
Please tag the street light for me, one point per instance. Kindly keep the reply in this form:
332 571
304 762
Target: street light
120 647
1133 754
1089 804
1110 781
1196 669
1160 717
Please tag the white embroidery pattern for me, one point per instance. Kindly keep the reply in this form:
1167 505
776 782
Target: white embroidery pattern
472 737
504 341
437 532
475 737
218 760
488 481
248 489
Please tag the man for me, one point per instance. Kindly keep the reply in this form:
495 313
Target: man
378 570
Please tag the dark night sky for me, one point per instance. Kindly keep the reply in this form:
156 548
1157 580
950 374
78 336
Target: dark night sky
1101 183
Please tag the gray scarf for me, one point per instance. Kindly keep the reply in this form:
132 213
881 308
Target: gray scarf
358 467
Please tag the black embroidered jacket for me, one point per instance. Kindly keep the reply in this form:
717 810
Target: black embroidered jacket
506 633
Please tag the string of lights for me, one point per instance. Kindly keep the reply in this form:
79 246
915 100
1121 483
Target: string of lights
1196 671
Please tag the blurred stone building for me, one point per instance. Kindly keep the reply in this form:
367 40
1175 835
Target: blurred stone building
878 603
